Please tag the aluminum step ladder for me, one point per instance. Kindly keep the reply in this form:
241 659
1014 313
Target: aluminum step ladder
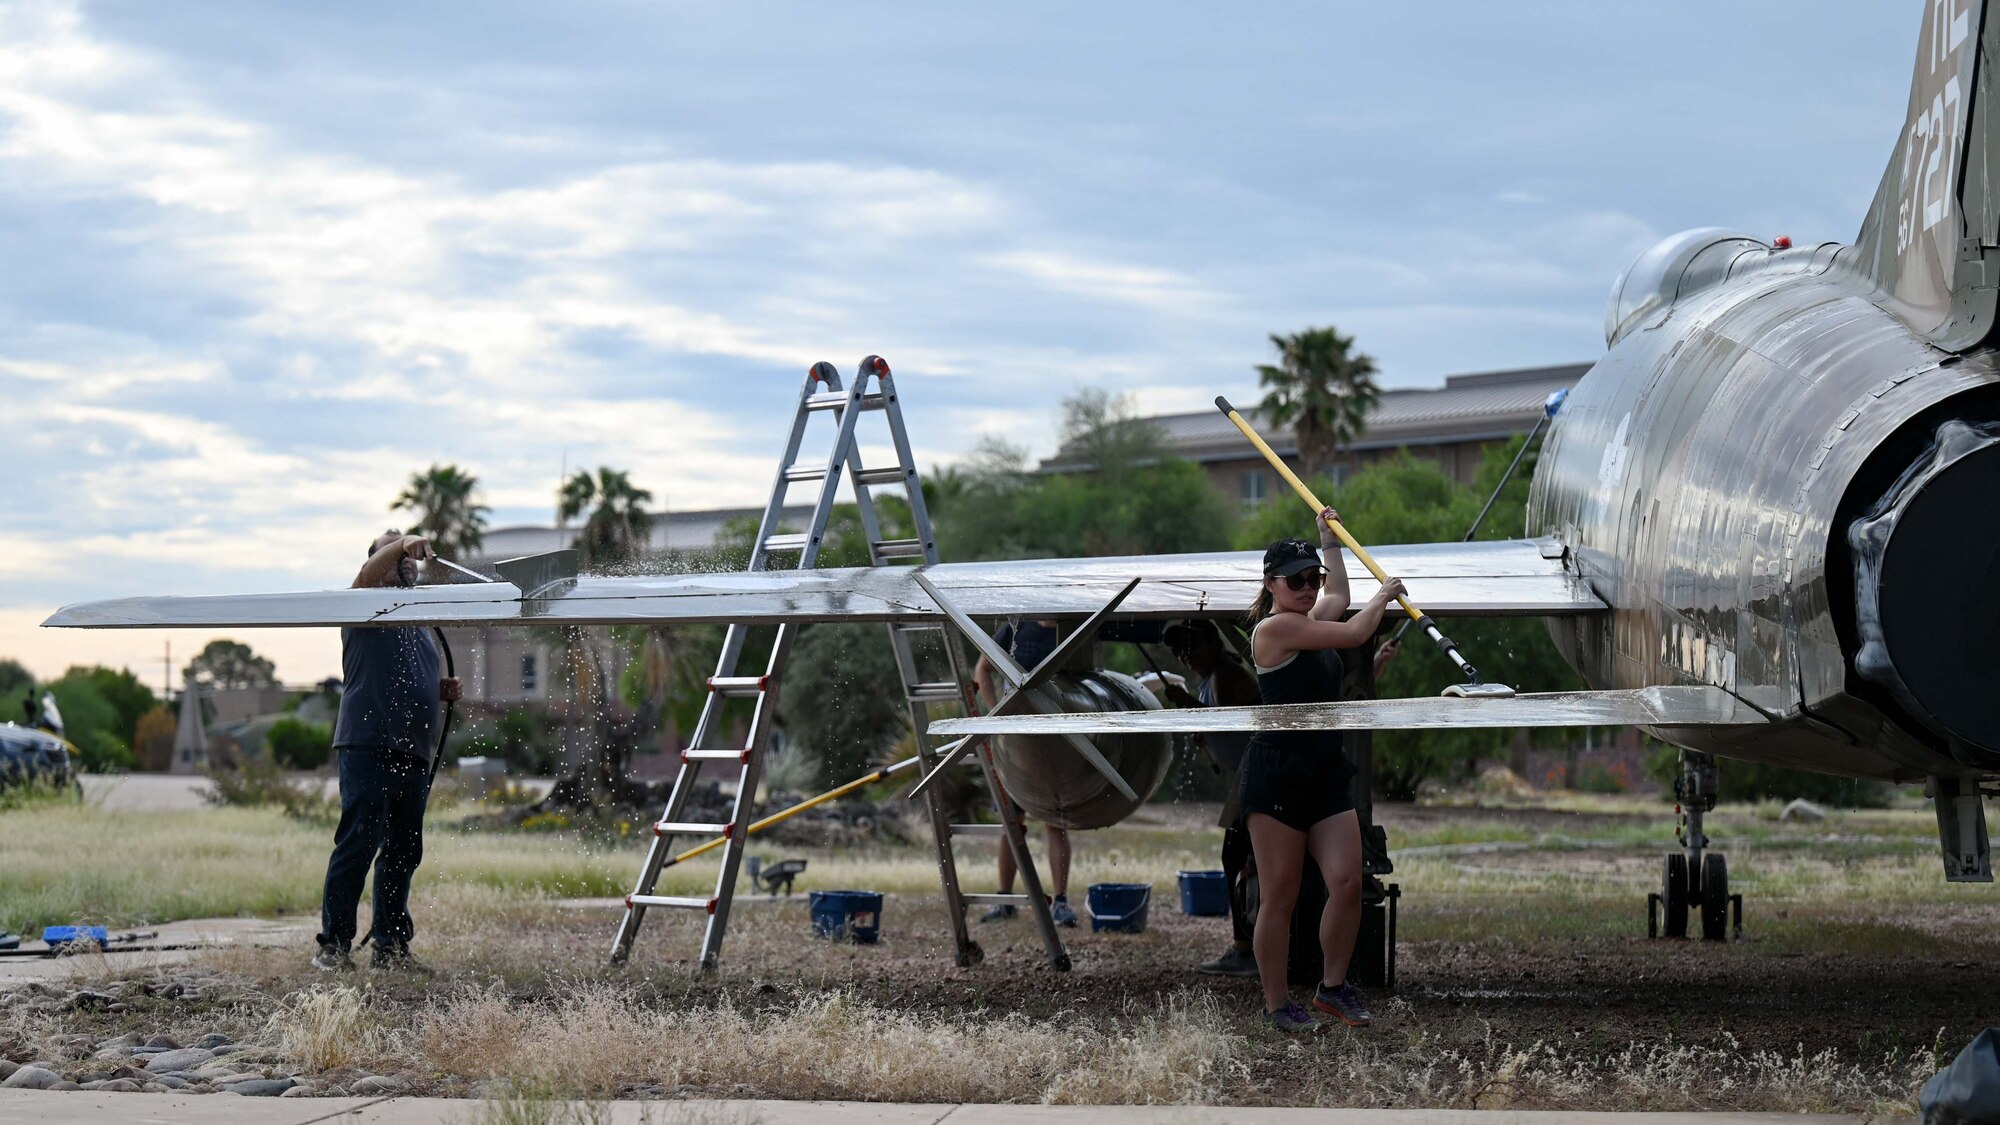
922 692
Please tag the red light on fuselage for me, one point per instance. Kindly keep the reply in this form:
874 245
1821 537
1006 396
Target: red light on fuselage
1782 242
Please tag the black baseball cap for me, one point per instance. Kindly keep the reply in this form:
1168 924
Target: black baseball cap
1287 557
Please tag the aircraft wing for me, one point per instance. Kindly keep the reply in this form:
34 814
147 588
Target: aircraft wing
1690 706
1485 579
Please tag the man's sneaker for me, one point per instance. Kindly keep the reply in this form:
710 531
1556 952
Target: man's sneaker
332 959
1059 911
998 913
1233 963
397 959
1344 1004
1294 1020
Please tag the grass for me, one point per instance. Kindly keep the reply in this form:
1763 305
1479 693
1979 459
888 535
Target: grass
525 996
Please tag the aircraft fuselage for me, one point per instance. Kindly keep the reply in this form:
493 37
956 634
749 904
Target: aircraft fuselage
1705 476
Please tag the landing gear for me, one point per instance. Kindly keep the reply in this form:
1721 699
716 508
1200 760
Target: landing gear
1694 879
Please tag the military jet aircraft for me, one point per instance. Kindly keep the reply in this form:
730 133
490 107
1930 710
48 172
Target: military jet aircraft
1760 528
1780 479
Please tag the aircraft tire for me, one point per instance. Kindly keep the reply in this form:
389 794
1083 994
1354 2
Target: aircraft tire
1674 896
1714 897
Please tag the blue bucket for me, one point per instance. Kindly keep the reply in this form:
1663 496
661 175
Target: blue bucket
1119 906
1204 893
62 937
847 915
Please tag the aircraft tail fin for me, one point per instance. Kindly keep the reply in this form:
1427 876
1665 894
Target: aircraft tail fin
1931 241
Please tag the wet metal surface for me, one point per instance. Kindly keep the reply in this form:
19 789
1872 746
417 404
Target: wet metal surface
1484 579
1658 706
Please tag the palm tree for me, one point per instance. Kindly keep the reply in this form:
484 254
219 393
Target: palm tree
442 497
1321 387
618 527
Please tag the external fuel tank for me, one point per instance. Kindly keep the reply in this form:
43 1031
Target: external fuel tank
1047 777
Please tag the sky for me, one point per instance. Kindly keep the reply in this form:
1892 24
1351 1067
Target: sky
259 262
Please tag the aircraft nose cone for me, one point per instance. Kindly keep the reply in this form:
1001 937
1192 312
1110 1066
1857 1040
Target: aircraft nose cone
1935 547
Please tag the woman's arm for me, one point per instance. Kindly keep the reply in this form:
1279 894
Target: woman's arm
1333 597
1289 632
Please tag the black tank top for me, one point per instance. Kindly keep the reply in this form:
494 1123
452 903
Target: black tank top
1308 677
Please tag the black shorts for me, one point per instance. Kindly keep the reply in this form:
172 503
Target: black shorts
1298 786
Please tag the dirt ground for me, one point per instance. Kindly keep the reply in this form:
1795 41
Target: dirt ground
1524 978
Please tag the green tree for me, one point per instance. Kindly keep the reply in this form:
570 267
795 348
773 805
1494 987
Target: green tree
299 745
90 722
617 526
1122 497
1323 389
128 696
842 699
446 513
224 665
17 686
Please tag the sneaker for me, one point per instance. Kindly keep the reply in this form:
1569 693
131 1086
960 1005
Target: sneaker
1344 1004
998 913
1294 1020
332 959
1059 911
397 959
1234 962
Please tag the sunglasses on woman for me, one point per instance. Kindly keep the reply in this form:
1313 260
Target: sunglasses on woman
1306 579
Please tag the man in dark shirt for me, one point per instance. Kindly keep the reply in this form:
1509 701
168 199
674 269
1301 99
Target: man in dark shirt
384 738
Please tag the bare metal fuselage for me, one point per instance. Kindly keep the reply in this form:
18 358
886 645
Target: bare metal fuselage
1703 478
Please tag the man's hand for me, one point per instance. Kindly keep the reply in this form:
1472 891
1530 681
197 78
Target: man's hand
449 689
1180 696
1384 655
417 547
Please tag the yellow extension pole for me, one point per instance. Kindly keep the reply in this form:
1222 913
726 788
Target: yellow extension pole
1422 619
882 774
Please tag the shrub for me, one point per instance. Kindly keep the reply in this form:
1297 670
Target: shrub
300 745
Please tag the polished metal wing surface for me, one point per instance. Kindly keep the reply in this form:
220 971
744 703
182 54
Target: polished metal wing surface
1645 707
1501 578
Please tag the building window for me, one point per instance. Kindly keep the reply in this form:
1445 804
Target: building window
527 671
1253 489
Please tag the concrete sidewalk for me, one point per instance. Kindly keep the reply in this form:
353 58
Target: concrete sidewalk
144 957
41 1107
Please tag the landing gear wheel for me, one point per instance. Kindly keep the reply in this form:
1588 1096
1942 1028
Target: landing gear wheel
1674 895
1714 897
973 955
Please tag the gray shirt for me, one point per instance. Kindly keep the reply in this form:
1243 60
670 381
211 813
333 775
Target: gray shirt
390 699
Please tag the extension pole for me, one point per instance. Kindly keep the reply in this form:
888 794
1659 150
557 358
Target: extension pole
1472 686
882 774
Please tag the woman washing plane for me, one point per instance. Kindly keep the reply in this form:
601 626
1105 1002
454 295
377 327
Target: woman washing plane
1297 786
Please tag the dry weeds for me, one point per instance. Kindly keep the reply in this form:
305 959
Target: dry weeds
326 1027
832 1046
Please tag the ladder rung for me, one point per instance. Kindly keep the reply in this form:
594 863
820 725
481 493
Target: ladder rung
977 829
942 691
787 542
707 904
806 472
742 755
834 400
687 828
993 900
738 686
895 474
900 548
